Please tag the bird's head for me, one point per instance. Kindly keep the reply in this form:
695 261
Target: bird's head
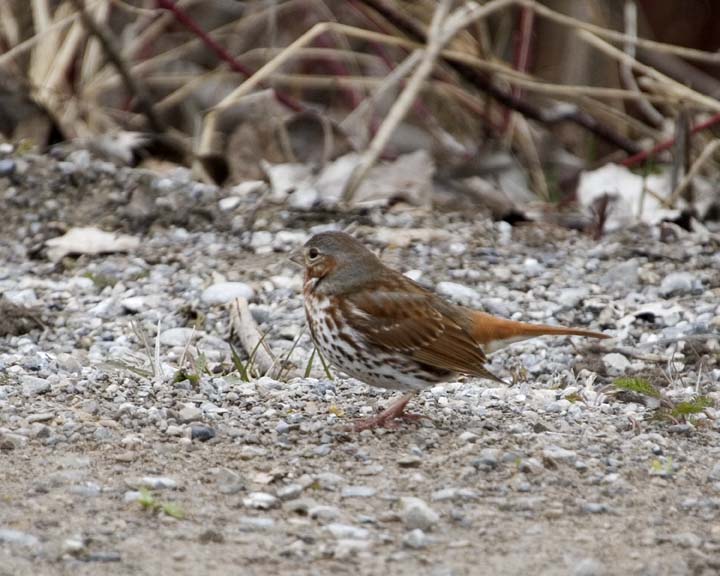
336 261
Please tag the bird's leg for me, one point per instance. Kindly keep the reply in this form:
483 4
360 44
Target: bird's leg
387 418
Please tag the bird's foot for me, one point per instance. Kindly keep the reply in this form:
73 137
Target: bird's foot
389 418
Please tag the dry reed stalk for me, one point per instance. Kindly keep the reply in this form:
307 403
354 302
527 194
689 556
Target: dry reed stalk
249 335
705 155
402 104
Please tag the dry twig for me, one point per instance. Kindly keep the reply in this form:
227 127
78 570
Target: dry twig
247 331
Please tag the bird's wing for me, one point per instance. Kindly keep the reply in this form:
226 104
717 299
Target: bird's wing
417 324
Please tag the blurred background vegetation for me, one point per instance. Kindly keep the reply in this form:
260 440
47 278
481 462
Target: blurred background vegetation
520 103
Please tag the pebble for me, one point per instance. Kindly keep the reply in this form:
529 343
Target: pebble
415 539
589 567
177 336
324 513
415 513
289 491
457 292
254 523
158 483
616 364
347 531
10 536
686 540
347 548
7 167
226 292
559 454
201 433
260 501
33 386
358 492
714 474
677 284
189 413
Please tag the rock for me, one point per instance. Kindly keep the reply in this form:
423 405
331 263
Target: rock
457 292
177 336
589 567
467 437
714 474
11 441
347 531
10 536
158 483
260 501
323 513
616 364
415 513
594 508
415 539
531 466
686 540
33 386
410 461
289 491
677 284
229 203
175 430
328 480
134 304
347 547
488 459
189 413
226 292
254 524
558 454
7 167
622 275
357 492
201 433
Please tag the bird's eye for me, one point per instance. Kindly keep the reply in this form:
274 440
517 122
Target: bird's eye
313 253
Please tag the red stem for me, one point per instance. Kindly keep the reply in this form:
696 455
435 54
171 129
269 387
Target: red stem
182 17
523 43
641 157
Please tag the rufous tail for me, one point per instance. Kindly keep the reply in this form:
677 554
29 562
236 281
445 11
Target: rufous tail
493 333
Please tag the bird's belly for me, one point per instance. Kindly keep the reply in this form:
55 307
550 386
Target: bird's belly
348 350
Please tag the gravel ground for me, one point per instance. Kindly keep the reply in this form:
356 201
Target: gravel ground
115 463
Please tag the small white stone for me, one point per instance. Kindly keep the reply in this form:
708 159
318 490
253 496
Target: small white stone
10 536
260 501
677 283
457 291
133 304
177 336
248 187
229 203
358 492
415 539
415 513
615 363
189 413
559 454
347 547
226 292
346 531
158 483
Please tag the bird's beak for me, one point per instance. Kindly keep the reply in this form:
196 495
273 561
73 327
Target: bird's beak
297 257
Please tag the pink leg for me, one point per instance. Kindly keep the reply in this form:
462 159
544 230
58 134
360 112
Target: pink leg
387 418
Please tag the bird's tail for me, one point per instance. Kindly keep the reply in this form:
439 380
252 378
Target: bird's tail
493 333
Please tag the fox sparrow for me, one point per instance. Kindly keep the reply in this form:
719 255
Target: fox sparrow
386 330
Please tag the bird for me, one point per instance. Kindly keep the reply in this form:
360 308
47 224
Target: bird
379 326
